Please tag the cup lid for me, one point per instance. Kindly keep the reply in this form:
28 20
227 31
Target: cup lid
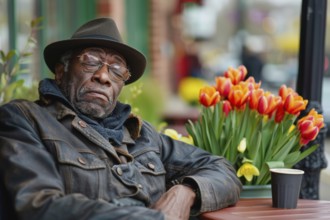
287 171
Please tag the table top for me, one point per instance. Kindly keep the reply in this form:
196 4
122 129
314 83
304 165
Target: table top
262 209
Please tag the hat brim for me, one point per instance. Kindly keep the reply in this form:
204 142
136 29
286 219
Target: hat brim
136 61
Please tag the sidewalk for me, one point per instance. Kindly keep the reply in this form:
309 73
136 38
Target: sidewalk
325 174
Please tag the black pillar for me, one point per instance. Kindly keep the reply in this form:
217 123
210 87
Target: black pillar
309 86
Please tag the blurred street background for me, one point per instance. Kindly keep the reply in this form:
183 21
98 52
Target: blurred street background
187 44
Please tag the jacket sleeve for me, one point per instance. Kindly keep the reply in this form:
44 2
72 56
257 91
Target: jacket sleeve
33 184
214 176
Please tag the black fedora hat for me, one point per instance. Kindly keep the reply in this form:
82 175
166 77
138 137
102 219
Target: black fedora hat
101 32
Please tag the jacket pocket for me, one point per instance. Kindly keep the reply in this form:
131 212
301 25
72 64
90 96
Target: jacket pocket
153 174
150 163
82 171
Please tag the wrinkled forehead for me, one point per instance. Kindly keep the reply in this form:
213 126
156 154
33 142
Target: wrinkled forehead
103 53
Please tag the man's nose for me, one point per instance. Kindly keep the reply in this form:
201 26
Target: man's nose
102 75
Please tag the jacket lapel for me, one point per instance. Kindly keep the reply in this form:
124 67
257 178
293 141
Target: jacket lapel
94 136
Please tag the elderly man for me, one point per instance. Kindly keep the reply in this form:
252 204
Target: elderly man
78 153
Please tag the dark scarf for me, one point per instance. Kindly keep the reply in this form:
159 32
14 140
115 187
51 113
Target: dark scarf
110 127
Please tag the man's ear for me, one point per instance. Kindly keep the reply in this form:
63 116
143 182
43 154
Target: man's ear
59 71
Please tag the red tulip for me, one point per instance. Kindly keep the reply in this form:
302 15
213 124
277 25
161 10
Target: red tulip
208 96
309 126
226 108
308 132
317 119
280 113
262 105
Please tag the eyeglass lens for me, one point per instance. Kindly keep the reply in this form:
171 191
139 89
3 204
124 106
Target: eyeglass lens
93 63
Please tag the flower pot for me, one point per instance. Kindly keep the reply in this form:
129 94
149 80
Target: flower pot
256 191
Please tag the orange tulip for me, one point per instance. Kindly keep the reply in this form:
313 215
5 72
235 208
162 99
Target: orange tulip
273 103
226 108
238 96
251 83
236 75
223 86
267 103
293 104
243 71
208 96
284 91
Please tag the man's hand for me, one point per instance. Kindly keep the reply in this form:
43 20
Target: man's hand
176 202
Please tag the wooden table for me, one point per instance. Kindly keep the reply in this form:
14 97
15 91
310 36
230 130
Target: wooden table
262 209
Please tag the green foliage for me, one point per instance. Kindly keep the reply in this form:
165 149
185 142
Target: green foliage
268 144
13 68
146 100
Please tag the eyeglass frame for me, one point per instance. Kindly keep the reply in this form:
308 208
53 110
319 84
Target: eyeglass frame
115 76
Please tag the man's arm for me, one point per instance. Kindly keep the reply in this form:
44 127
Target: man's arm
176 202
212 176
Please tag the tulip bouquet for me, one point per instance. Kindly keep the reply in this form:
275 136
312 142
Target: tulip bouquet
254 129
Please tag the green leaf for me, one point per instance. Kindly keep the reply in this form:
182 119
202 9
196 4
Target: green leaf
215 148
193 131
253 149
275 164
264 176
285 149
10 55
27 54
206 134
291 159
226 150
36 22
244 124
307 152
3 80
3 56
10 90
217 120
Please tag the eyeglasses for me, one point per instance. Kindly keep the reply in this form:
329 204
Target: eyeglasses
92 63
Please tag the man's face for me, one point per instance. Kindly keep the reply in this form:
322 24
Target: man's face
93 80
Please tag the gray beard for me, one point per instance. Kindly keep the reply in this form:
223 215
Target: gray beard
87 109
83 107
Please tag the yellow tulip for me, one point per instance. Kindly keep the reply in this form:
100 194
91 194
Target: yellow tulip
172 133
188 140
292 127
242 146
248 170
176 136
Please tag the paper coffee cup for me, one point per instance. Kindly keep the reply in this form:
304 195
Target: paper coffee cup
286 184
